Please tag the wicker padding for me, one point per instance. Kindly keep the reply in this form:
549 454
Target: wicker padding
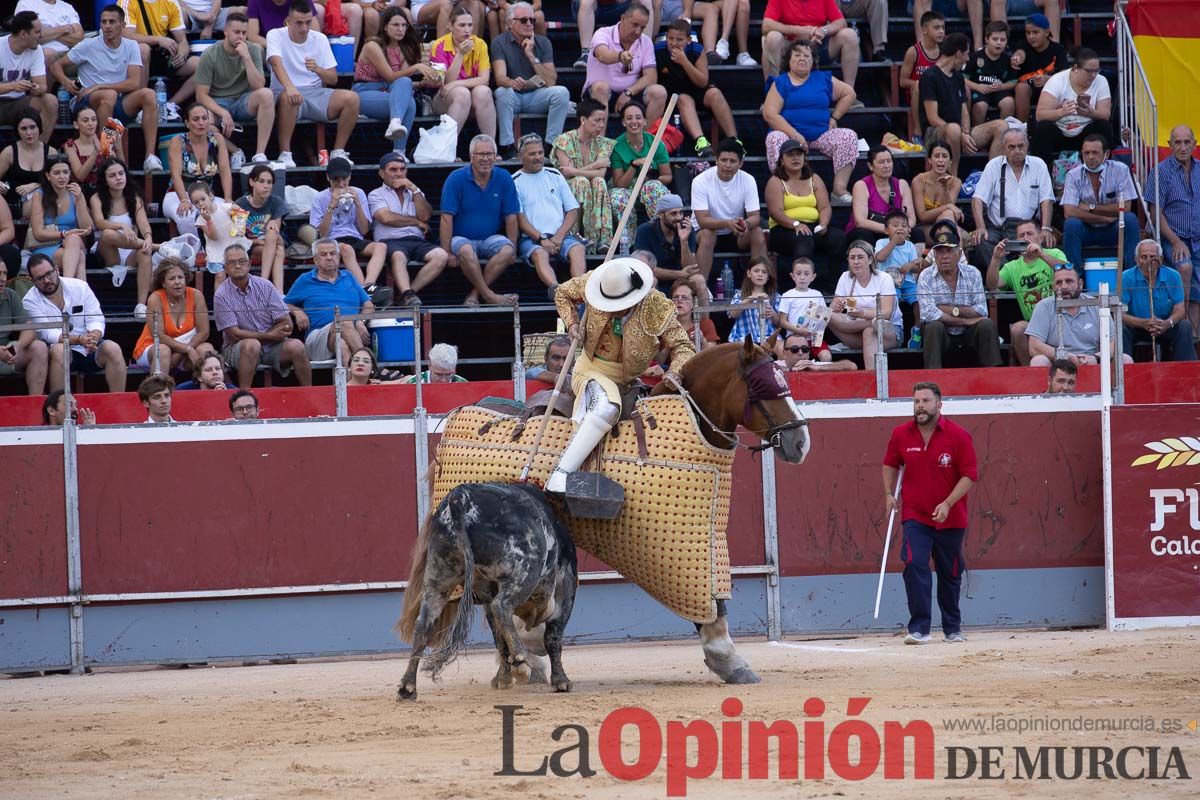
670 536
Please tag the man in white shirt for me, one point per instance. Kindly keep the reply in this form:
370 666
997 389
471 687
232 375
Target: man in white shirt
23 74
110 79
61 28
725 206
303 74
548 214
89 351
1015 186
155 393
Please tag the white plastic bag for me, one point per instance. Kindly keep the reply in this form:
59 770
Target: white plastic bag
299 199
183 247
438 144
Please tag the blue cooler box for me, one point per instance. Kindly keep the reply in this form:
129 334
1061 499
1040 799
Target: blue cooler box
394 339
1097 271
343 52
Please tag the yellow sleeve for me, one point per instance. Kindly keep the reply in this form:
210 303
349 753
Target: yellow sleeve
567 298
174 18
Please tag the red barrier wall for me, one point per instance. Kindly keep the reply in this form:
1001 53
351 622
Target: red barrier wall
33 542
1038 502
1146 383
245 513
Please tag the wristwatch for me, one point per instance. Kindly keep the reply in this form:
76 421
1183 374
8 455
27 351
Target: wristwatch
955 311
795 224
1091 206
627 93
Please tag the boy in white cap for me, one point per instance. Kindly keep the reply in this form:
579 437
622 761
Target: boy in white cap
628 322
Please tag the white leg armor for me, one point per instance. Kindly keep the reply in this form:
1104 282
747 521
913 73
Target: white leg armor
599 415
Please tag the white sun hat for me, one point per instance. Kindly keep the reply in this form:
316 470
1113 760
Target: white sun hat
619 284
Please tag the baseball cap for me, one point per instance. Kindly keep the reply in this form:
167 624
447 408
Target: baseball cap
338 168
945 236
1039 21
790 145
390 157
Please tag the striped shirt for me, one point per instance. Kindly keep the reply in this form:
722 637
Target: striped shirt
1178 196
1116 186
933 291
256 309
1022 197
751 322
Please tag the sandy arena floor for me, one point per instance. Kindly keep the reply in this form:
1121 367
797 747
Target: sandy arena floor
334 729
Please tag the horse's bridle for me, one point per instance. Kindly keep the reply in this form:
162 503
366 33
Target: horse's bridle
759 387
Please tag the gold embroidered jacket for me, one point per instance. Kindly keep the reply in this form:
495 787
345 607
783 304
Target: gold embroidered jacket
650 328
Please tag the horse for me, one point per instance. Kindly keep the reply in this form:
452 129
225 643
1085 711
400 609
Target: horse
506 546
730 385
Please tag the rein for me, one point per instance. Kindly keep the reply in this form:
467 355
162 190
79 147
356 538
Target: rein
758 389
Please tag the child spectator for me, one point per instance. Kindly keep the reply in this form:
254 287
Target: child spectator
990 76
795 303
266 211
901 260
222 223
759 282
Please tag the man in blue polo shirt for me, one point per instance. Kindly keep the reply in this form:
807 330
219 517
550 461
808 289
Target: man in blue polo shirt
315 295
1165 320
487 227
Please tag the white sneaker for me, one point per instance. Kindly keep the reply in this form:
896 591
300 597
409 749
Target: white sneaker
746 60
722 48
152 164
337 153
170 113
395 129
259 158
285 160
581 62
139 311
956 638
238 159
917 638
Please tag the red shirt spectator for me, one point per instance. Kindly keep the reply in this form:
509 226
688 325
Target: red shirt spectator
803 12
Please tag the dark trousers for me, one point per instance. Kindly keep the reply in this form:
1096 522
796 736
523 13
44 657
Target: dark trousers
1177 341
980 339
1048 140
789 246
920 542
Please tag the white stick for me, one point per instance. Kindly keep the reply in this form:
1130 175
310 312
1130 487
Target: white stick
888 541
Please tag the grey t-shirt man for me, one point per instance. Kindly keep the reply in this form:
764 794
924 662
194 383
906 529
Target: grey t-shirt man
99 63
516 64
1080 332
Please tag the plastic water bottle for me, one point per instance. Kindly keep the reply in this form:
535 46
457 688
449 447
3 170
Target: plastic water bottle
160 93
914 339
727 277
64 106
676 122
626 241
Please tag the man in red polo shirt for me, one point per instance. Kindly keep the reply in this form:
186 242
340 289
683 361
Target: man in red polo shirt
939 463
817 21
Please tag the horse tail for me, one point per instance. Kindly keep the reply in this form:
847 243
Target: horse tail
452 635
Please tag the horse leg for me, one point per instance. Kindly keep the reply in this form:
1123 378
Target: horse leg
431 609
720 656
503 678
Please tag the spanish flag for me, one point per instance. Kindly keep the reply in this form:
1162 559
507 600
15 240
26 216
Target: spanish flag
1167 36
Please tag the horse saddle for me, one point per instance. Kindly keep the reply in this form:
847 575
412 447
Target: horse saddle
564 406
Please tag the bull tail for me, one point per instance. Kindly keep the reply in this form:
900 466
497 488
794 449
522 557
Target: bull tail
414 591
453 635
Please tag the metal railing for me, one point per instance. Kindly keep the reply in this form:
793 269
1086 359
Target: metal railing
1138 113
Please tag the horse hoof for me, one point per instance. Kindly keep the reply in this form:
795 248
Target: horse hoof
562 686
743 675
406 693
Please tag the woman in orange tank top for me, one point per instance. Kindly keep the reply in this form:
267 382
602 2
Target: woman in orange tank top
182 317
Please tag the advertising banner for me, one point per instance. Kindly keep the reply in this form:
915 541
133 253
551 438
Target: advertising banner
1156 515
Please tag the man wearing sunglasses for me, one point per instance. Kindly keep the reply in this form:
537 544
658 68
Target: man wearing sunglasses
798 354
523 64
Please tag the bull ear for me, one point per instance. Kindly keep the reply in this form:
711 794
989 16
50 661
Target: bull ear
748 349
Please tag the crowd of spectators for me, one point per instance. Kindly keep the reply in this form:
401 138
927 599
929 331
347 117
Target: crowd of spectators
907 257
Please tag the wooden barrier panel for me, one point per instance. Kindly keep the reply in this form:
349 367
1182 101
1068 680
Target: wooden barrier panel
33 540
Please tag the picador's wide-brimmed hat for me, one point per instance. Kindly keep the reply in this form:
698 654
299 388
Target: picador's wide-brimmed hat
619 284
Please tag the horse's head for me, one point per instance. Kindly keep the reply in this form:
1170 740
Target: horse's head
741 385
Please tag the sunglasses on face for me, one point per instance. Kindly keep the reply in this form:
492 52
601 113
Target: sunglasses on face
796 349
